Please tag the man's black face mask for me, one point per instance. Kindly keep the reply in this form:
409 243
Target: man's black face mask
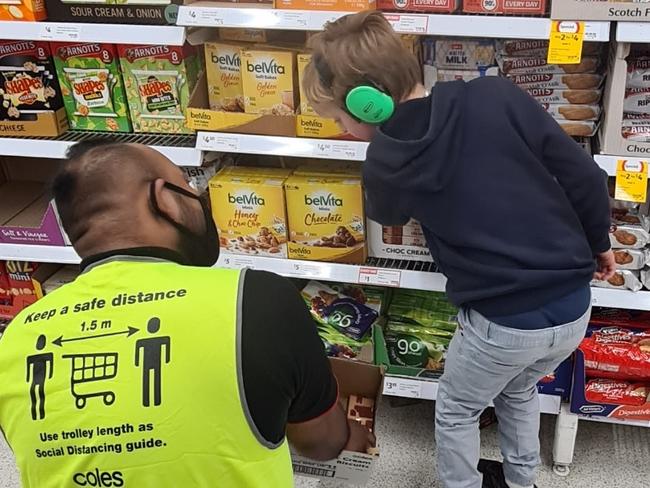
197 249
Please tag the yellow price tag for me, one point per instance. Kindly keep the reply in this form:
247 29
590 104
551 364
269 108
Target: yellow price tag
565 43
631 180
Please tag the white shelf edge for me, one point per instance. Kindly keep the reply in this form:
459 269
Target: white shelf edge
428 390
282 146
171 35
617 421
633 32
404 23
40 254
43 148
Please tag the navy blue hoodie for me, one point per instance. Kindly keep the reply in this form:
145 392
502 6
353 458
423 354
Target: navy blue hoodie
513 210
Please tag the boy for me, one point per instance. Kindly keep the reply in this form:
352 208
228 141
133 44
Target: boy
514 212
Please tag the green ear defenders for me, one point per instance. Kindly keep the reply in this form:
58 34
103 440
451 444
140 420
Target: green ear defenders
365 102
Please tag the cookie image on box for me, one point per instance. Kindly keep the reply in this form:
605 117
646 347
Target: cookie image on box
159 80
92 87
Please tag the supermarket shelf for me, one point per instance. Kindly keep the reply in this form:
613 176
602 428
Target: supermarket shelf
281 146
633 300
202 14
178 148
608 420
428 390
76 32
41 254
633 32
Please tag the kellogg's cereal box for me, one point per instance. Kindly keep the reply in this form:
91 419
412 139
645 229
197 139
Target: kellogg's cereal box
159 80
325 216
22 10
268 79
28 85
92 87
222 63
250 214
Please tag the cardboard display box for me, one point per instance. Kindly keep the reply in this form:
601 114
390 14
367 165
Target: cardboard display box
27 215
613 10
31 102
23 10
354 378
559 382
510 7
397 242
21 284
439 6
163 12
611 139
200 117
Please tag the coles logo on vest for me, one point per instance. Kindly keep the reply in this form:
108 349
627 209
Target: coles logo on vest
99 479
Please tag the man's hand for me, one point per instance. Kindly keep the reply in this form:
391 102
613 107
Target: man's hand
360 439
606 265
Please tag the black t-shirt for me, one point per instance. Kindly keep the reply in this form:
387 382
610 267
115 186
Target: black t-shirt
286 375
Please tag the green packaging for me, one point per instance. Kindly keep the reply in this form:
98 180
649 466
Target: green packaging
92 88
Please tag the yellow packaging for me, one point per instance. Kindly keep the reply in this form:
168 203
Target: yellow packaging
325 216
268 81
222 63
249 212
329 168
256 171
305 107
242 35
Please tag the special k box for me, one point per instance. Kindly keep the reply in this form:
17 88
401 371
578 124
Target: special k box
325 217
268 81
249 213
22 10
339 5
92 87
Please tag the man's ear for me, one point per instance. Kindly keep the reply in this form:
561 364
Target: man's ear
165 201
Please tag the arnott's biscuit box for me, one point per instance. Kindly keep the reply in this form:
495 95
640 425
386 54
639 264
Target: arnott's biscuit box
30 96
159 80
157 12
325 215
92 87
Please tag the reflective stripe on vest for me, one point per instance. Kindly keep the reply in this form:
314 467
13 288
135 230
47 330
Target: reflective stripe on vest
131 377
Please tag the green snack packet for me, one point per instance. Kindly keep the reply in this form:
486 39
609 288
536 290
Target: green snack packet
418 351
91 91
159 94
423 308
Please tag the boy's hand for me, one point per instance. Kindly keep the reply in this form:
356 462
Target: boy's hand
606 266
361 439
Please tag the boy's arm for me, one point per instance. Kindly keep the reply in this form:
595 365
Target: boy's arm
583 181
381 202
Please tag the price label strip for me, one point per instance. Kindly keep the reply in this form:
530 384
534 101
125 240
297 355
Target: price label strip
631 180
565 42
408 24
57 32
402 387
383 277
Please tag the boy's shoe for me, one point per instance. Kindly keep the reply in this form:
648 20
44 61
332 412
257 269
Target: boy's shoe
493 476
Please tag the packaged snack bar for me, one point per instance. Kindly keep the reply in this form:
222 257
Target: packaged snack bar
371 296
305 107
581 81
92 86
325 216
464 53
627 216
467 75
628 236
632 259
249 212
578 128
615 392
416 348
637 101
609 356
638 73
636 129
623 279
268 81
512 65
28 82
550 95
537 48
343 313
159 80
423 308
223 72
568 111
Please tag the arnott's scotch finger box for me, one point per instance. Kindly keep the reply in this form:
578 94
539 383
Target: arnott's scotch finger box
92 87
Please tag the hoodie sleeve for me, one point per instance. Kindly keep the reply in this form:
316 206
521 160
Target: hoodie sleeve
583 181
381 204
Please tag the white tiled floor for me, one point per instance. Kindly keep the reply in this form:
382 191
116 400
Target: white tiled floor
606 455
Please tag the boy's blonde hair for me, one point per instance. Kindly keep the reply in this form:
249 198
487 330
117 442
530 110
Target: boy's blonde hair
355 50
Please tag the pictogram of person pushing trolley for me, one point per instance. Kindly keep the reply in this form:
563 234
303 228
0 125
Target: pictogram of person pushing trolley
151 361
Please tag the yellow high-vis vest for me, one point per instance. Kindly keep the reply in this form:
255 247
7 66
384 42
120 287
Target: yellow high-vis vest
131 377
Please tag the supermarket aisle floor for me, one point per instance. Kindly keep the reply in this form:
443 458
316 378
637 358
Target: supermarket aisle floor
606 455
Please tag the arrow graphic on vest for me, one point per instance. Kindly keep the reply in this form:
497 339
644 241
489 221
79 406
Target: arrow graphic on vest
59 342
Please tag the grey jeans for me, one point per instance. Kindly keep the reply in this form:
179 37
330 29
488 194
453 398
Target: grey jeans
488 363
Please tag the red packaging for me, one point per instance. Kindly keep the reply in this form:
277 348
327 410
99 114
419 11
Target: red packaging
4 285
419 5
16 287
515 7
614 317
617 392
621 356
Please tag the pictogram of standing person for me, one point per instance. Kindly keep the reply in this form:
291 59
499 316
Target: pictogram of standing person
40 367
152 362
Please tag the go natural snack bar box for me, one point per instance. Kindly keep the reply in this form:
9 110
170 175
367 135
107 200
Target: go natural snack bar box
30 96
159 80
325 216
249 213
92 87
